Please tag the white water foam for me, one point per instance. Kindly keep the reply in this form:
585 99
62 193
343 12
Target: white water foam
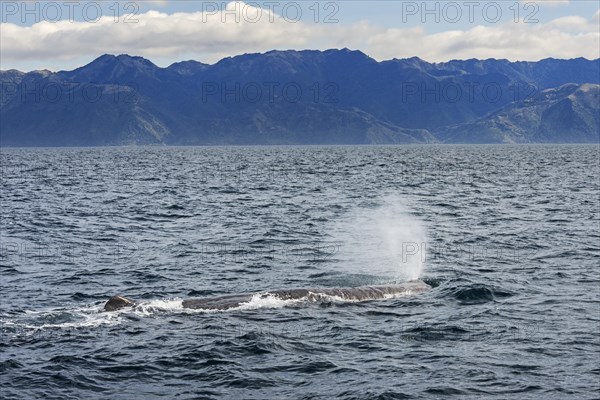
266 300
85 317
91 316
397 295
157 306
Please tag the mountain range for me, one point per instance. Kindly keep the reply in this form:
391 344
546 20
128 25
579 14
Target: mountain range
302 97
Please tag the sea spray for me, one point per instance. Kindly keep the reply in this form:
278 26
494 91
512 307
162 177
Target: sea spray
384 240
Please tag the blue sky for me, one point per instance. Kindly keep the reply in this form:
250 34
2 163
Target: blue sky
390 13
66 34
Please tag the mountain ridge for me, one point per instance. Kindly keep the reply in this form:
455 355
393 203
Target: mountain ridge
296 97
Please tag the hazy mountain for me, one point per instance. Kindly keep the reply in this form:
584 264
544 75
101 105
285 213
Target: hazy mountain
301 97
569 113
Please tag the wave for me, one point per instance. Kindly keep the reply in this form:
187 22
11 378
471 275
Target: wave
33 321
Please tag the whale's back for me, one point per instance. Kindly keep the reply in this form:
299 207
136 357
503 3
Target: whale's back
361 293
226 302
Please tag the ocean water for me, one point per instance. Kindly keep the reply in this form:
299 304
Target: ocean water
507 236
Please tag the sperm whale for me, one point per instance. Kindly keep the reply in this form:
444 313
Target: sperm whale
226 302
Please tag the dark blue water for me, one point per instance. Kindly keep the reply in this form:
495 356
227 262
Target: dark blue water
507 236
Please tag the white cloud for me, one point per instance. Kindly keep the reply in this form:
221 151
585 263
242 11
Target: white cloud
566 37
207 37
574 24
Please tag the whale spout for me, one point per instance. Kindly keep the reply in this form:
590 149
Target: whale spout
118 302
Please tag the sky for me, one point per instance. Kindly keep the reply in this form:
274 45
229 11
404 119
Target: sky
65 34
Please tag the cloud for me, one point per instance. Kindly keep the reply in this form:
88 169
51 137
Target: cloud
567 37
153 34
209 36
